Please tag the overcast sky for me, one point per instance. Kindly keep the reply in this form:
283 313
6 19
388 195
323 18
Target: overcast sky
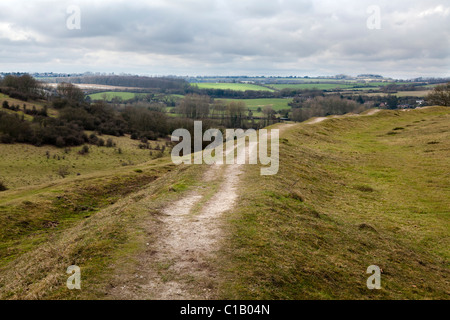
228 37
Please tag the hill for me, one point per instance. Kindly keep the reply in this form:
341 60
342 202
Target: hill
352 191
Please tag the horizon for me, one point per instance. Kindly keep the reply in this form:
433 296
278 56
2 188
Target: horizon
106 73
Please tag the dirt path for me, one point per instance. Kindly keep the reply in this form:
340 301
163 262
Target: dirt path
181 264
320 119
191 242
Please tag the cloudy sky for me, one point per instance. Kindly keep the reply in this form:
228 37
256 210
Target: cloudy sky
227 37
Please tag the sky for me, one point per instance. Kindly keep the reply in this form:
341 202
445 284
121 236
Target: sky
400 39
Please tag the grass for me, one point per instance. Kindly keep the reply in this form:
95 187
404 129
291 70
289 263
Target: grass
232 86
344 85
254 104
421 93
24 165
29 104
97 222
348 195
111 95
319 86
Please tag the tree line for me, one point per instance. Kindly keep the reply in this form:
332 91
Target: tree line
75 115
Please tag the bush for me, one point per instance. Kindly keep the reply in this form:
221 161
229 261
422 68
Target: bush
2 186
84 150
110 143
63 171
60 142
100 142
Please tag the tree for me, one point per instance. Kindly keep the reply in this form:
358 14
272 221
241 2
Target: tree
440 95
194 106
324 106
392 102
236 112
70 92
269 113
25 84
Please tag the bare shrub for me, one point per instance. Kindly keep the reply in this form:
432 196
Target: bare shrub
2 186
63 171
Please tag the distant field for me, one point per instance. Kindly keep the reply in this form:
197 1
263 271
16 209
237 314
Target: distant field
413 93
433 85
319 86
124 95
95 86
112 94
254 104
337 84
422 93
232 86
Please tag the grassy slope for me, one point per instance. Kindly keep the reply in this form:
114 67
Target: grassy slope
350 193
29 104
96 221
23 165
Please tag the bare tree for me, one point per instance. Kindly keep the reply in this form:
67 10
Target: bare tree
70 91
440 95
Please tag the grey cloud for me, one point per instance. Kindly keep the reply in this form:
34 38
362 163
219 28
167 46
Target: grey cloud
242 37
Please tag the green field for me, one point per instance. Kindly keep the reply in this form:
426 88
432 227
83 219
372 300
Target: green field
319 86
231 86
111 95
254 104
337 84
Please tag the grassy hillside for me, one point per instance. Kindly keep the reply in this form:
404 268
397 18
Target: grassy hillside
26 165
96 221
351 192
29 105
